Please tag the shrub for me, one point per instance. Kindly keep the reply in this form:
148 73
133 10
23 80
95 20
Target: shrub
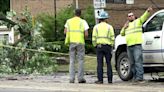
25 57
57 38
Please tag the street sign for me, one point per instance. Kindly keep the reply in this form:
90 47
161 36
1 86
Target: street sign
99 3
103 3
97 12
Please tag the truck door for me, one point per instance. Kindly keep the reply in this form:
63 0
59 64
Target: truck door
153 35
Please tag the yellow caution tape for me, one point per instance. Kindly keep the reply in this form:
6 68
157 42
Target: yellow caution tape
42 51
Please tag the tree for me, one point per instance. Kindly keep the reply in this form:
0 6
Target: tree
4 6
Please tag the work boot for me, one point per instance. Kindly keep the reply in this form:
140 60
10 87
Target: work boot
135 82
99 82
82 81
71 81
109 82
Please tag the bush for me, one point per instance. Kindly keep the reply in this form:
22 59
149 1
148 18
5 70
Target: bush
48 21
57 46
57 39
24 55
48 26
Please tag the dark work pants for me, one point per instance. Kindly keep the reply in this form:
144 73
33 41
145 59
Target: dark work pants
101 51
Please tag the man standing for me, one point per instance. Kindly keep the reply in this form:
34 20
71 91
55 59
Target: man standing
132 30
103 39
76 30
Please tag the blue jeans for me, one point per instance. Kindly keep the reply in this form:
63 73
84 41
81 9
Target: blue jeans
104 50
136 58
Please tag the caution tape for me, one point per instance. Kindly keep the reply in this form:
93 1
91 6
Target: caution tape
34 50
41 51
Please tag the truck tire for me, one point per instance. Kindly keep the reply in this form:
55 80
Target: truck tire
124 67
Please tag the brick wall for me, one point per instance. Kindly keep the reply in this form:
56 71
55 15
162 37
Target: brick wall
118 12
39 6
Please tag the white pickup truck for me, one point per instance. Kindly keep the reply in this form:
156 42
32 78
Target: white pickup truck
153 48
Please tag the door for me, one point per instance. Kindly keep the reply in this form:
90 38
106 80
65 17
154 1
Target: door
153 35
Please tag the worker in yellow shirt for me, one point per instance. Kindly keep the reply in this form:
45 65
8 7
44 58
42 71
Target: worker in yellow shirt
76 30
103 40
132 31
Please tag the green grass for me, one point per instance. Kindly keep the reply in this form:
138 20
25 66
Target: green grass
90 64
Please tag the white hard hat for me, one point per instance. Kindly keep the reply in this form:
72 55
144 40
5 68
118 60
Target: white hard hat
103 15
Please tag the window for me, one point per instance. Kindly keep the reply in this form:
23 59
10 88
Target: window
156 23
115 1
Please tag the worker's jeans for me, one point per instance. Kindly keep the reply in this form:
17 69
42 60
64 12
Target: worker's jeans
79 51
136 58
104 50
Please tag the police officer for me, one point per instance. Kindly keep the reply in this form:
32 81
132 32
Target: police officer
76 30
103 39
132 30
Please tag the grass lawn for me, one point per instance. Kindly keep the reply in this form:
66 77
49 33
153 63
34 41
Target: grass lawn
89 65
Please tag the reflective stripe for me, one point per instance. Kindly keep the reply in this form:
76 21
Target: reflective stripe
134 28
139 30
108 32
76 31
104 37
97 35
97 31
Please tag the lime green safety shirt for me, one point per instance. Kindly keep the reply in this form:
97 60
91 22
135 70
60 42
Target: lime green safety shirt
103 33
133 32
75 31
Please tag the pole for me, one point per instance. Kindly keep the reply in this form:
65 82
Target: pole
95 11
77 4
55 28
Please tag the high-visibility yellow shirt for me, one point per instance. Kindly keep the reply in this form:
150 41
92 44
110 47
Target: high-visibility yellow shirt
75 31
103 33
133 33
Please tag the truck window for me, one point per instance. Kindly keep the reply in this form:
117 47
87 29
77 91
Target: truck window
155 24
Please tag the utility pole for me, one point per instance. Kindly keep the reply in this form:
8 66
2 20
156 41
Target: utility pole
55 23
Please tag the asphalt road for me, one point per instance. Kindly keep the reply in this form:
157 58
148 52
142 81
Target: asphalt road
60 83
21 90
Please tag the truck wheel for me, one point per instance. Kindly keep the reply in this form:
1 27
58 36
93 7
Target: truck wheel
124 67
